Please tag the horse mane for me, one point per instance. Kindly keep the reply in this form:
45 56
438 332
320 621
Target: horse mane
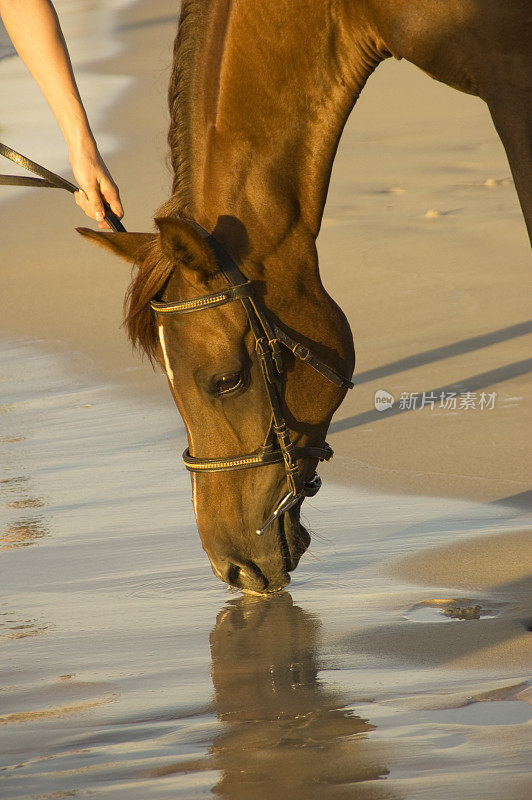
153 270
192 25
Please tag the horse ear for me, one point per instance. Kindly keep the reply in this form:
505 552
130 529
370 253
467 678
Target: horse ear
128 246
182 243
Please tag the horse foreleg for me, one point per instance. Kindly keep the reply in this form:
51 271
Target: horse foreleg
511 111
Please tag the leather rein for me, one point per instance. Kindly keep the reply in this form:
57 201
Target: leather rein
269 339
46 180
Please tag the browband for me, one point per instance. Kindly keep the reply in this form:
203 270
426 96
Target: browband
205 301
268 340
239 292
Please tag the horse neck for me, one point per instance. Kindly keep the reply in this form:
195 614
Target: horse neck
258 101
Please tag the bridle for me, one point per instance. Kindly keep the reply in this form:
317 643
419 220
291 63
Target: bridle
278 446
269 337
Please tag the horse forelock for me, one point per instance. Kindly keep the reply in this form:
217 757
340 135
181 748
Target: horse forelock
153 271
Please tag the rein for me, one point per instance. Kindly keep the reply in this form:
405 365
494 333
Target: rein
46 180
278 446
269 339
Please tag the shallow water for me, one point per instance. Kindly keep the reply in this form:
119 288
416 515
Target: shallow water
130 671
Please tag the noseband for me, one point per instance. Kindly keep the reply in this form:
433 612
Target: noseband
269 337
268 340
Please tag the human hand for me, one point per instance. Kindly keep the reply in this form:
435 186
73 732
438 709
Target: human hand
95 183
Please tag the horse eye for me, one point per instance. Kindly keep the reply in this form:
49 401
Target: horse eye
228 383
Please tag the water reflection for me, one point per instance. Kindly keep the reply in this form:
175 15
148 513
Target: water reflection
284 734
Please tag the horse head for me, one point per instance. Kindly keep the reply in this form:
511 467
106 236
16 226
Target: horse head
204 334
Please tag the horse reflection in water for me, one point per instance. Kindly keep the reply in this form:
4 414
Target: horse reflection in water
284 735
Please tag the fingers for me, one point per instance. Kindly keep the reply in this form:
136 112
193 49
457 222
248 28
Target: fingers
90 200
111 196
91 203
95 202
82 201
97 188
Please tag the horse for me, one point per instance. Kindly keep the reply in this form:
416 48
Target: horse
227 295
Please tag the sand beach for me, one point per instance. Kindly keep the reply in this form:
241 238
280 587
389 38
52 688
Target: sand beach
398 663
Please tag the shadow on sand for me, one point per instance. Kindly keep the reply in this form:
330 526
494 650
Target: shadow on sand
446 351
472 384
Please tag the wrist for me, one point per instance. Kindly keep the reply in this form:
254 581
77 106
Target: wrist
80 139
76 131
82 147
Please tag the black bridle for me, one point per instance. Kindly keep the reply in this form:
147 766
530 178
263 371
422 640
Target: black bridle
278 446
269 337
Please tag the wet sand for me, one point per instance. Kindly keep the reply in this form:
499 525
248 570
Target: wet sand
128 669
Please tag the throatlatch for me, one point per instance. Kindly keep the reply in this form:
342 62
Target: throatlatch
269 338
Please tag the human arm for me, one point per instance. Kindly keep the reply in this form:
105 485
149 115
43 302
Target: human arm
36 34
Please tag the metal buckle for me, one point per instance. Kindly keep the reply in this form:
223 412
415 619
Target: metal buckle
302 352
285 505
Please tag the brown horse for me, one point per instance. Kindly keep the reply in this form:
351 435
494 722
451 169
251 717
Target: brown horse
258 97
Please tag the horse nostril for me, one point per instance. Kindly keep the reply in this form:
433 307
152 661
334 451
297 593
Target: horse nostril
232 574
244 576
252 578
